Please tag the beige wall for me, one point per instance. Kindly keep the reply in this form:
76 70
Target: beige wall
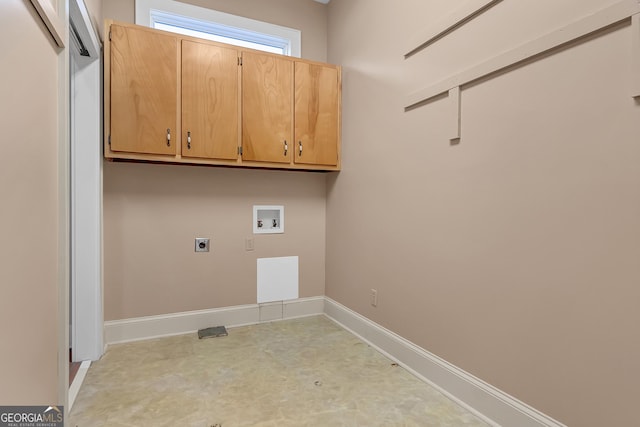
95 11
152 213
513 255
308 16
29 213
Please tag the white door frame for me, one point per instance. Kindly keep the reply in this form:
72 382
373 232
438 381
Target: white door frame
87 319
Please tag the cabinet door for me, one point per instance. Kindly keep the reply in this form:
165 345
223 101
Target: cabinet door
209 101
267 108
143 91
316 114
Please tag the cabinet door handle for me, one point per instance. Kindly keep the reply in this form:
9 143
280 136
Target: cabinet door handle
286 148
189 140
300 151
168 137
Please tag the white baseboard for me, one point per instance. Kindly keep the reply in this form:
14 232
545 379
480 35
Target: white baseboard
74 388
143 328
492 405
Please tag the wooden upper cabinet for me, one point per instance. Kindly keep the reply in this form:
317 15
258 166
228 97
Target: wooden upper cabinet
316 114
267 108
209 101
143 81
181 99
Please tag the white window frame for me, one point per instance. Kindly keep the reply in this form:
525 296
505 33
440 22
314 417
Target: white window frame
202 19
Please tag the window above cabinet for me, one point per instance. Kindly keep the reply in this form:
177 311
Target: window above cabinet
201 22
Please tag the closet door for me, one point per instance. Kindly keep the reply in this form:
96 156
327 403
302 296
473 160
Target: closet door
143 91
209 101
267 108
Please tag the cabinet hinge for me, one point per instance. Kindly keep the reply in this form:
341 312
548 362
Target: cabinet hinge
240 151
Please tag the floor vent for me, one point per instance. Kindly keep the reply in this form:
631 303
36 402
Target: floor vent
213 332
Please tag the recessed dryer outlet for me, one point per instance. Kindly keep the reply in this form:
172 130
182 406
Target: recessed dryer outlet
202 244
268 219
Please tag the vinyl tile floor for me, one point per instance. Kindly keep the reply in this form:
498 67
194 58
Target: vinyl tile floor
301 372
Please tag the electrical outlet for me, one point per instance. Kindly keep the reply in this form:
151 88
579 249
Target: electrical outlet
249 244
373 297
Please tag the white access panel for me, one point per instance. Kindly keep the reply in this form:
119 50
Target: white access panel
277 279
